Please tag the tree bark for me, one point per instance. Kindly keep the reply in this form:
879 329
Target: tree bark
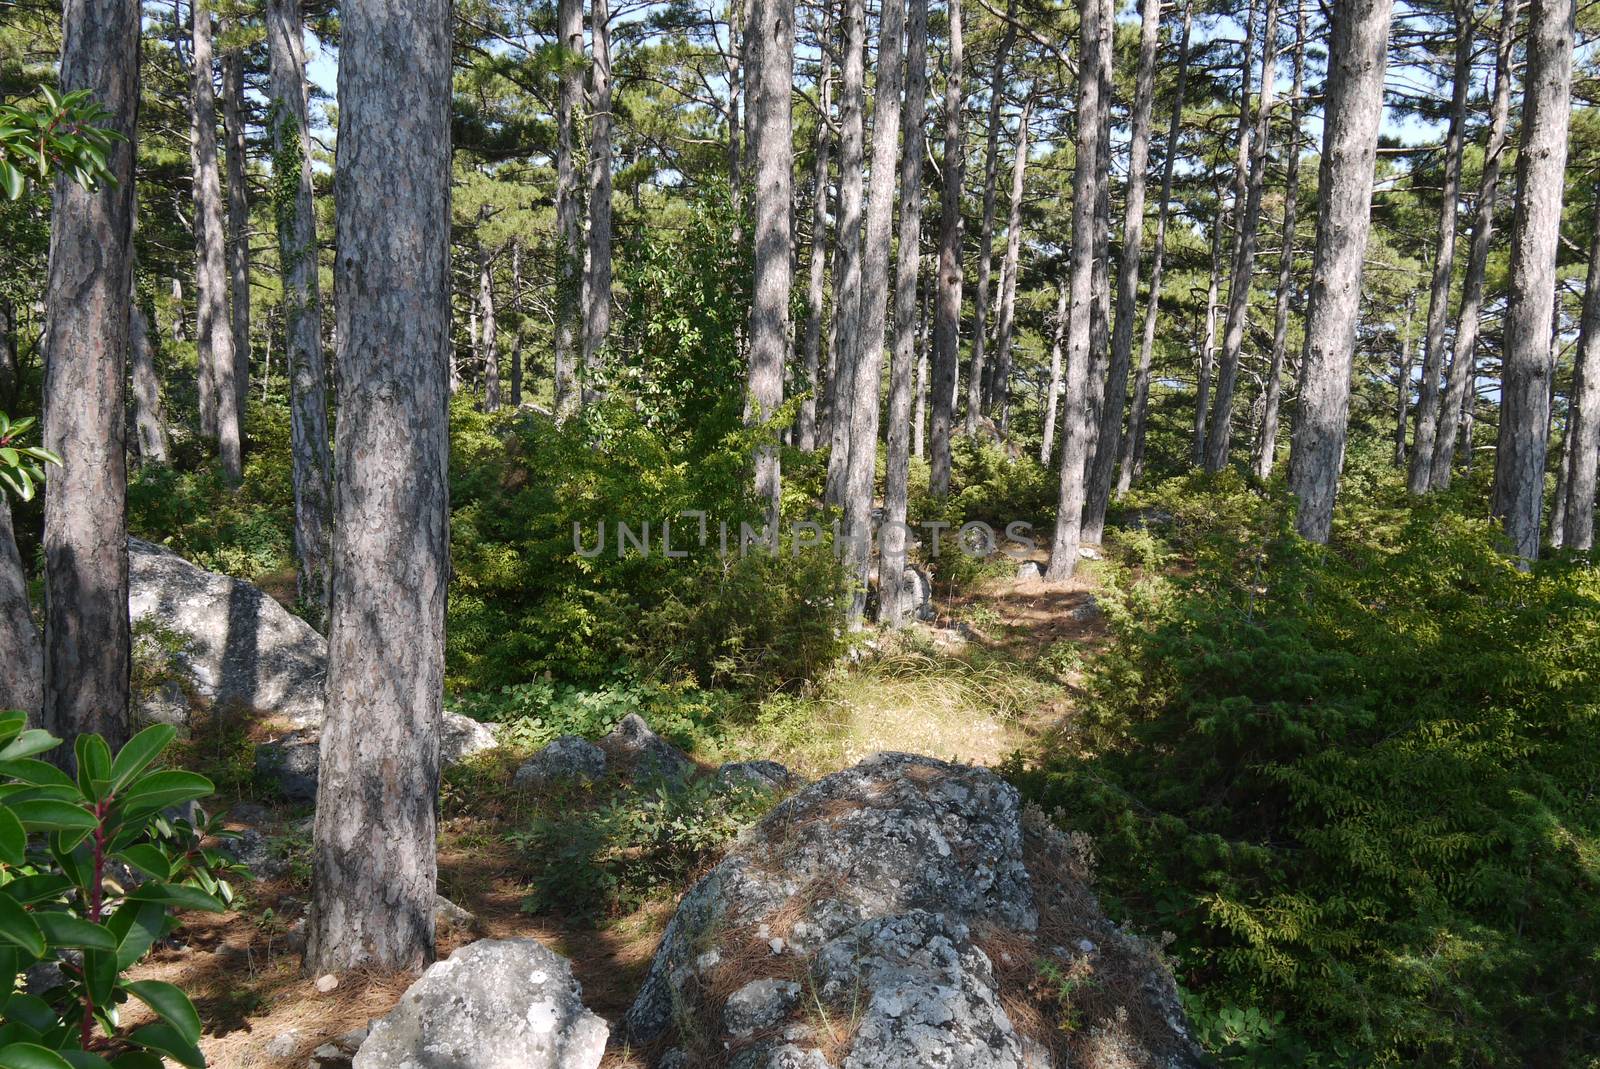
1132 461
1353 113
1005 319
868 361
947 300
773 146
1047 440
1403 386
1458 396
1202 386
87 304
1444 257
902 435
811 351
516 336
848 282
295 215
569 248
22 668
978 399
597 281
233 124
10 370
152 431
219 411
1535 234
919 395
1272 399
1244 257
1583 422
1088 172
374 870
490 333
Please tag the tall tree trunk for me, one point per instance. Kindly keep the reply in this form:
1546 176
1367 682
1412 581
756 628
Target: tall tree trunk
304 363
152 431
22 669
978 374
919 395
597 282
233 124
516 337
1583 422
1100 320
847 289
10 370
374 872
1088 172
1047 440
1132 460
1536 230
1353 113
1005 319
1403 386
811 349
1202 387
1244 257
490 332
1108 445
219 410
773 145
179 331
902 436
1419 475
1272 398
868 362
947 298
87 304
1456 411
569 247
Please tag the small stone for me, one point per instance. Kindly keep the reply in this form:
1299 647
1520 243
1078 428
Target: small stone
1088 611
450 918
1088 553
463 737
764 775
1029 570
284 1044
566 759
327 982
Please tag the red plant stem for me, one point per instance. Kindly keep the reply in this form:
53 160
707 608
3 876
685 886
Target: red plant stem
96 900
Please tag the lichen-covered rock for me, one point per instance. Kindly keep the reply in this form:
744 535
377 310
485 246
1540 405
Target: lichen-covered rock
164 703
239 647
764 775
462 737
646 754
291 760
567 759
491 1004
877 896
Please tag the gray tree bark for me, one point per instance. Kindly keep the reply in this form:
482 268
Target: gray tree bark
816 282
1353 112
947 298
516 337
1108 442
597 280
233 124
1047 440
1088 172
10 371
569 247
489 348
1535 234
374 871
1202 386
1272 396
1132 460
978 374
1444 257
773 130
219 409
1244 256
1005 318
22 668
304 363
1583 422
152 431
848 282
1403 385
87 304
902 435
1458 387
868 376
919 395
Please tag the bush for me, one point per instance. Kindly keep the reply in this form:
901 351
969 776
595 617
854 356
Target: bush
61 843
1357 783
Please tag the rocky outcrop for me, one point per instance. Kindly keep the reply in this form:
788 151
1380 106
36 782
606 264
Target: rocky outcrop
895 901
491 1004
568 759
762 775
643 753
231 644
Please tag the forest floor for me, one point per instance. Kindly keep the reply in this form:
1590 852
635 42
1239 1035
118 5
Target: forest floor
995 672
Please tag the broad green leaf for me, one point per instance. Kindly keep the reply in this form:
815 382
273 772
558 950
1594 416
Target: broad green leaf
42 887
31 1056
82 1059
31 1012
147 859
10 965
136 756
171 1003
13 840
94 766
136 1059
18 928
39 773
12 722
177 894
49 814
28 743
166 1039
11 181
158 790
136 927
61 930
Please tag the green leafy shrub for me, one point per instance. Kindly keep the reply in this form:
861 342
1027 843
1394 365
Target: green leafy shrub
68 848
529 715
1357 782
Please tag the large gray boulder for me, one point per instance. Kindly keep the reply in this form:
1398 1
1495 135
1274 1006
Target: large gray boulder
880 893
238 647
646 755
492 1004
567 759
